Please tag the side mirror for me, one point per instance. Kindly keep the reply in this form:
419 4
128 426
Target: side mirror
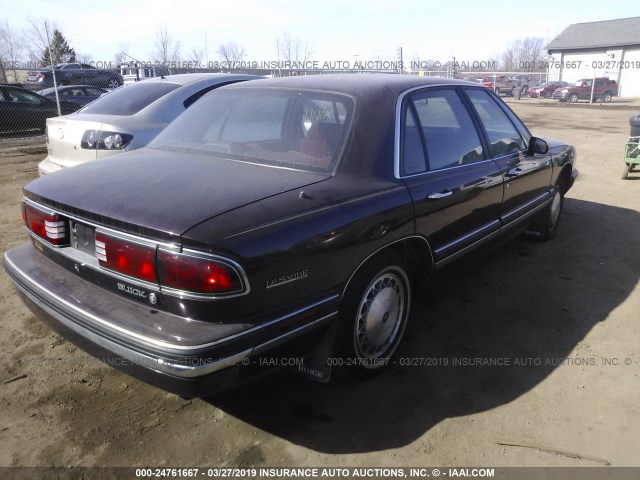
538 145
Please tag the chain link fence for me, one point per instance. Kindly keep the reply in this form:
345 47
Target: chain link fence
28 96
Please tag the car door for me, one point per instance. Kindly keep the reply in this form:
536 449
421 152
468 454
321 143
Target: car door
527 176
455 188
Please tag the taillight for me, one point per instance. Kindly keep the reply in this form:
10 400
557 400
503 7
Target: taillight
49 226
197 274
98 140
127 257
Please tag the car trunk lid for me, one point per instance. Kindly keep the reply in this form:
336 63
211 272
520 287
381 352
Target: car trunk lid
64 137
163 193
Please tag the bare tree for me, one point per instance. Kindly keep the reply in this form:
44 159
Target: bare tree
167 50
37 38
231 53
509 60
293 49
197 56
84 58
120 56
10 52
531 53
524 54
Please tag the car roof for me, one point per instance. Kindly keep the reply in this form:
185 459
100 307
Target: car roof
17 87
185 78
358 85
46 91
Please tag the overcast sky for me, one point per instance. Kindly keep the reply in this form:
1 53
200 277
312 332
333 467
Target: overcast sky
335 30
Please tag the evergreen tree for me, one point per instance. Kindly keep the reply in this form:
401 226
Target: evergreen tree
60 50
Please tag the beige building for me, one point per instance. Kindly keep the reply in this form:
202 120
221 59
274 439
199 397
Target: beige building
609 48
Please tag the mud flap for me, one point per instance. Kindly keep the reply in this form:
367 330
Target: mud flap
538 222
317 366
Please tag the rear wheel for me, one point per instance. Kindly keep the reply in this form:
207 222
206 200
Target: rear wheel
548 94
374 315
113 83
628 168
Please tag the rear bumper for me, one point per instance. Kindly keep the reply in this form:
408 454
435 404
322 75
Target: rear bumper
47 167
216 363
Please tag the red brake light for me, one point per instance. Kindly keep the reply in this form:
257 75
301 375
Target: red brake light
49 226
196 274
126 257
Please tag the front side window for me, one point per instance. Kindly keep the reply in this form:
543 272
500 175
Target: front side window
504 138
437 133
279 127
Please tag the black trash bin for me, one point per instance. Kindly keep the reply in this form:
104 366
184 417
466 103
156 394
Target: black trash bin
634 121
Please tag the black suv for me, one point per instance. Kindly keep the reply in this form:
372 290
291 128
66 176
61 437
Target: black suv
73 74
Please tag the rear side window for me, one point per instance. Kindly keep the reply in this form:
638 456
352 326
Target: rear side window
438 133
130 99
504 138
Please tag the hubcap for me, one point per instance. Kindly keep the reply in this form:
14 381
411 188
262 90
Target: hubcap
554 213
380 316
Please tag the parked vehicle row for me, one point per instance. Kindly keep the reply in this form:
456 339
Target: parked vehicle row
277 218
73 74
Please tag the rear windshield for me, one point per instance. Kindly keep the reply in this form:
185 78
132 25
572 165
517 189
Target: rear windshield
304 130
130 99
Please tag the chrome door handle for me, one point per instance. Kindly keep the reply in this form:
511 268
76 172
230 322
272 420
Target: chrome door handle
515 172
438 195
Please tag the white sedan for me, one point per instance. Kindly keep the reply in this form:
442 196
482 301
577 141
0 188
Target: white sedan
125 119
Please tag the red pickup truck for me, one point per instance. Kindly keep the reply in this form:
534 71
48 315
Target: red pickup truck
604 90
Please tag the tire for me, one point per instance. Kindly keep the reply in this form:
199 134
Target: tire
626 170
113 83
548 95
573 98
545 225
373 316
606 97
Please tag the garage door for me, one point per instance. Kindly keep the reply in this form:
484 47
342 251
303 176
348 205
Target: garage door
630 77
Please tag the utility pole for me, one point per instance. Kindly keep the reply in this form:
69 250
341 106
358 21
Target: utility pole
399 55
